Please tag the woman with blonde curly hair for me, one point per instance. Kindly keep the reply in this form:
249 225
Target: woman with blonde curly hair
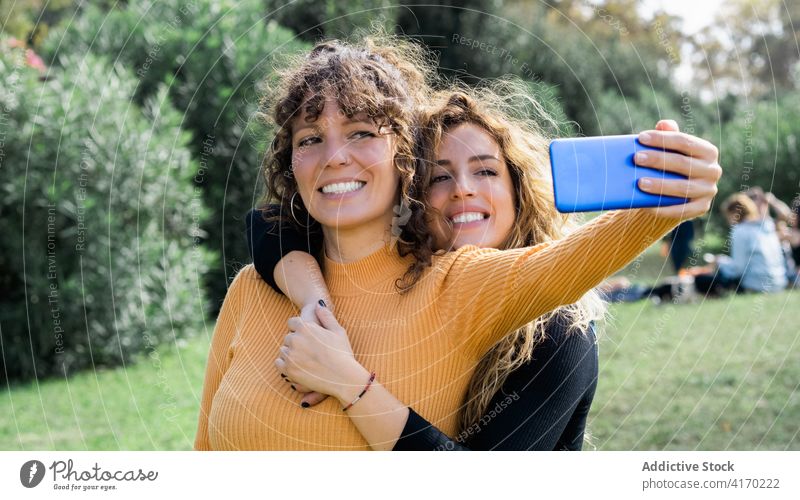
344 160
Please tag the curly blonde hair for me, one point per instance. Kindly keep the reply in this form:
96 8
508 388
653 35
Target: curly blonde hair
516 122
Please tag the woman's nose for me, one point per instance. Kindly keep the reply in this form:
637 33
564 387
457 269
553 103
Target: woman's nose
338 154
463 188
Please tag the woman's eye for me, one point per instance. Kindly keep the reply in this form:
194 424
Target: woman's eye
361 134
487 172
307 141
439 178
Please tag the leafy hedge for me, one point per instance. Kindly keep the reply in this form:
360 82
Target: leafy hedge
211 54
761 145
99 260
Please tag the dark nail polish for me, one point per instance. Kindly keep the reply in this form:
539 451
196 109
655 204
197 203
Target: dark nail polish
304 404
294 388
322 303
283 376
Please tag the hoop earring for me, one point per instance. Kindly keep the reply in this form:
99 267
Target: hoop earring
291 210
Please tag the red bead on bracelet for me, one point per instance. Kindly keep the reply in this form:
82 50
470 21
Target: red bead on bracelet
371 380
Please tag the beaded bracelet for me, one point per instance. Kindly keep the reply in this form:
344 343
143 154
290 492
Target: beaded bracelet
371 380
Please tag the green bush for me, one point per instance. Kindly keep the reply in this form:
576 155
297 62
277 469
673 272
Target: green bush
315 19
532 40
99 261
620 115
760 147
211 54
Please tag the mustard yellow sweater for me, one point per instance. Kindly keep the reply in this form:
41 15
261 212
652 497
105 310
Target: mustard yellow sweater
423 345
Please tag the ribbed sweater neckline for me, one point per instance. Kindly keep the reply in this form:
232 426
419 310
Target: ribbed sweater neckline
354 278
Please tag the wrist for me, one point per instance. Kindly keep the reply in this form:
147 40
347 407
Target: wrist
356 378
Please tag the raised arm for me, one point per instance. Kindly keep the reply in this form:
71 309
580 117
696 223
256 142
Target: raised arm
282 255
487 293
781 209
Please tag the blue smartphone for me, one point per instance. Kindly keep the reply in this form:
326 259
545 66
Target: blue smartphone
598 173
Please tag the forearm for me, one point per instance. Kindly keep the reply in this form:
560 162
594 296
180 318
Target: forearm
269 240
420 435
387 424
299 277
781 209
378 415
532 281
794 238
592 253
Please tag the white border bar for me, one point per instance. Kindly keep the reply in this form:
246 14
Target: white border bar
406 476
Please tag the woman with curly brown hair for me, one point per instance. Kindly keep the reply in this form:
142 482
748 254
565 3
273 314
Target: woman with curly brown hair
343 156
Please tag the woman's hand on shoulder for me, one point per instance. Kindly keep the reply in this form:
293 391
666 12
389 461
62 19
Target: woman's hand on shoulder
693 157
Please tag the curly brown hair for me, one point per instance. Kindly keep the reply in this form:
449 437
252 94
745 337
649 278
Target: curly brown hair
517 122
384 77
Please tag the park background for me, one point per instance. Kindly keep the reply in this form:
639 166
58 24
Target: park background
129 155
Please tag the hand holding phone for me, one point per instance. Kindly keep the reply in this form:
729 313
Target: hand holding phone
599 173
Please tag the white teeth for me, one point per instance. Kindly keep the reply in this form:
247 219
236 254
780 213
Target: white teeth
465 217
343 187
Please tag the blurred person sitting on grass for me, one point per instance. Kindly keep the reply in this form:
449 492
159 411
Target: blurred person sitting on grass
769 204
774 211
756 263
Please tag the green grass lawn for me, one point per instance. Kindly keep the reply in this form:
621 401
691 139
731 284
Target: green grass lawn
716 375
149 405
719 375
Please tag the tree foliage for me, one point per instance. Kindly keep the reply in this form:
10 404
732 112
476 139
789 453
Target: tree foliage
212 56
97 194
750 49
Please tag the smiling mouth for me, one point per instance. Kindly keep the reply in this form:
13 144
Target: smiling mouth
342 187
467 217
